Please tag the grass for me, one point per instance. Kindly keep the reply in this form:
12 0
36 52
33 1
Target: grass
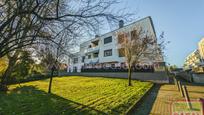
182 107
3 65
73 95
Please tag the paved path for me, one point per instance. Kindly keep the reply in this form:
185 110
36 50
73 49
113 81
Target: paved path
158 102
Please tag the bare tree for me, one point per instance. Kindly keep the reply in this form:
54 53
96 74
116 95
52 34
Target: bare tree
55 51
32 19
136 45
28 22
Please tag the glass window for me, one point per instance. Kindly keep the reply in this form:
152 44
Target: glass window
108 53
95 55
121 38
83 58
89 56
113 65
75 60
121 52
108 40
133 34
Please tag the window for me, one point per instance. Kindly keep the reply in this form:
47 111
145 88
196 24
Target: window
75 60
108 53
95 55
89 56
108 40
113 65
121 38
133 34
95 43
83 58
121 52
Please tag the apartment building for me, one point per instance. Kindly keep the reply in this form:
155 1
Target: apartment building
104 51
195 60
201 48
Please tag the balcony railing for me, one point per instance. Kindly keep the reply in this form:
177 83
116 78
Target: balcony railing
93 49
91 61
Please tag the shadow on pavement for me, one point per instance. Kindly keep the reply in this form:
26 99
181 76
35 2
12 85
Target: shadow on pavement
148 102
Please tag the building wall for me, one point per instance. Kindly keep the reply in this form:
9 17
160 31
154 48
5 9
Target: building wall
145 23
192 60
195 60
201 48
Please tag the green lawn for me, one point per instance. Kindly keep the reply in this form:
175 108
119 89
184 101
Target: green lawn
73 95
182 107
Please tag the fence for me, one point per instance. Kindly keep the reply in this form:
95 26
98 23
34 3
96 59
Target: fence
183 91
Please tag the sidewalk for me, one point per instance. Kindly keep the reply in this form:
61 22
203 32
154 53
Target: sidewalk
158 102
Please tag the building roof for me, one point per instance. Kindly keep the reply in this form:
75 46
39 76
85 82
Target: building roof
148 17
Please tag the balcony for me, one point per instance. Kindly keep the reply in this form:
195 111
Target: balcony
92 61
93 49
201 64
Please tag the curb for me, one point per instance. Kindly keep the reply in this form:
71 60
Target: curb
139 102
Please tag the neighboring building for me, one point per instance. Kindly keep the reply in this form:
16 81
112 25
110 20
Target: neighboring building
195 61
201 51
103 51
201 48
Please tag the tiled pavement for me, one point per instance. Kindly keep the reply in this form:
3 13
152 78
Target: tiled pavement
158 102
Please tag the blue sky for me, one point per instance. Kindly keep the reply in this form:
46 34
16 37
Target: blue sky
181 20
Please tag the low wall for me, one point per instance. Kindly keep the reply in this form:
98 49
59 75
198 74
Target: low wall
198 78
192 77
185 75
156 77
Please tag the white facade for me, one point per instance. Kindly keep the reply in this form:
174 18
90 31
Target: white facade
103 50
195 60
201 48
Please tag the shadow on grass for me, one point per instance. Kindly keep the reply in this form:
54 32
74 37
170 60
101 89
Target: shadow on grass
148 102
29 100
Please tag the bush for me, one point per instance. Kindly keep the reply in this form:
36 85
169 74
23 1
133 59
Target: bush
33 77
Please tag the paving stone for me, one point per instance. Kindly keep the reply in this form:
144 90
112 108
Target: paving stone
159 101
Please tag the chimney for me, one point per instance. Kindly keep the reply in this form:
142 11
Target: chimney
96 36
121 23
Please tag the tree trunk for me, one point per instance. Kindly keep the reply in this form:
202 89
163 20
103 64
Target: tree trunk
129 75
7 74
50 84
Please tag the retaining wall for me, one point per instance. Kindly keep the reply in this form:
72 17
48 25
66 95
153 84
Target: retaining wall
156 77
192 77
185 75
198 78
